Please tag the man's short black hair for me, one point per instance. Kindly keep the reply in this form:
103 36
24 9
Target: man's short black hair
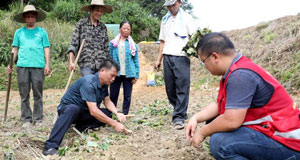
214 42
108 64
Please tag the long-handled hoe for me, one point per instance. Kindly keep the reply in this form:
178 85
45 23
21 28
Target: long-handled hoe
8 85
71 74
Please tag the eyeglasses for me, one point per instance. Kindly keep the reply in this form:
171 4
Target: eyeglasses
203 61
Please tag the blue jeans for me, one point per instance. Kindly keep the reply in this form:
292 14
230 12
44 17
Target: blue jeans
246 143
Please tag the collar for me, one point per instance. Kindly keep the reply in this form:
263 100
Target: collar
90 21
235 59
98 80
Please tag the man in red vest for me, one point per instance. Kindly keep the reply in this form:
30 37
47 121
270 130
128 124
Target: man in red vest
254 117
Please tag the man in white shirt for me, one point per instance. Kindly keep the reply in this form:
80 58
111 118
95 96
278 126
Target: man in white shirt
176 27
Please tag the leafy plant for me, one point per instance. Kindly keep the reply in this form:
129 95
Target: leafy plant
68 10
268 37
261 26
190 47
62 151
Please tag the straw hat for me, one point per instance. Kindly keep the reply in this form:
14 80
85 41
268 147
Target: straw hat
30 8
107 8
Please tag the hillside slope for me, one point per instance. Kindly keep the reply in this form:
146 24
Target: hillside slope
275 45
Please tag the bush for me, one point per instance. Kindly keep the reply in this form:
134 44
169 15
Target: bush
57 80
144 26
46 5
68 10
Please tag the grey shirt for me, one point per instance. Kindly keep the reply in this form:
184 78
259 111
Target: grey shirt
246 89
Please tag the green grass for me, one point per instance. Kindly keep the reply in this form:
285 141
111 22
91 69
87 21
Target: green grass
57 80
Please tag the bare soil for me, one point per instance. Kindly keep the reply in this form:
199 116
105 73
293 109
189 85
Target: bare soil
153 135
274 45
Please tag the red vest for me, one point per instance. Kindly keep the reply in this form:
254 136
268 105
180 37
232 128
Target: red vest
278 119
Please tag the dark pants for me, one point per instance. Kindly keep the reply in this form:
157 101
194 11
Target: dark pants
72 114
31 77
246 143
85 71
127 90
177 81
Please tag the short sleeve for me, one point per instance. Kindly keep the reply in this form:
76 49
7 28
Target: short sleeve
240 89
88 92
192 25
16 39
161 32
105 92
46 42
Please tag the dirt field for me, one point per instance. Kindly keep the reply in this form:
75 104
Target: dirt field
153 134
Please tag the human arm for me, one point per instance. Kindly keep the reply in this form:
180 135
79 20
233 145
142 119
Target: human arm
72 65
111 107
241 87
160 55
100 116
14 51
74 45
207 113
137 65
229 121
47 59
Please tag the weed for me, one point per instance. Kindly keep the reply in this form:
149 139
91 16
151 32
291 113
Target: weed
261 26
62 151
247 37
268 37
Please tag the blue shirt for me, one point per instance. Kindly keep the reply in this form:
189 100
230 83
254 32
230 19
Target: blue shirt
246 89
132 62
31 44
85 89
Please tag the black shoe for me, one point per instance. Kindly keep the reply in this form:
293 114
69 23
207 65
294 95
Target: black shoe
186 117
50 151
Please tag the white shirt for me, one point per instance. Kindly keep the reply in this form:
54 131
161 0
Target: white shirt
174 44
121 48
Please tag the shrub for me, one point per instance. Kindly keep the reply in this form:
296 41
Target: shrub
144 26
68 10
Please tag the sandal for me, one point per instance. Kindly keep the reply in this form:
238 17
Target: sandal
178 125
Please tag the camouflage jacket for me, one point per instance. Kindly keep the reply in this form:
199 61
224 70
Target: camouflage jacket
95 49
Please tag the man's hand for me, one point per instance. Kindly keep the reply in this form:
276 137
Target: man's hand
191 128
46 70
157 65
120 128
9 70
197 139
72 66
121 117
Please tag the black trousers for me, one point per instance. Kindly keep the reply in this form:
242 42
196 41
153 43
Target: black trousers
127 90
177 81
72 114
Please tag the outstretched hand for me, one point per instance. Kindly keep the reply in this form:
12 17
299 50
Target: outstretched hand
190 129
120 128
197 139
121 117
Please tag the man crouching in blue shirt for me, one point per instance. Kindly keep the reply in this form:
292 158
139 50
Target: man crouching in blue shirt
81 106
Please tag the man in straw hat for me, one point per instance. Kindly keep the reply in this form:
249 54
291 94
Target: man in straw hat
31 44
95 49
